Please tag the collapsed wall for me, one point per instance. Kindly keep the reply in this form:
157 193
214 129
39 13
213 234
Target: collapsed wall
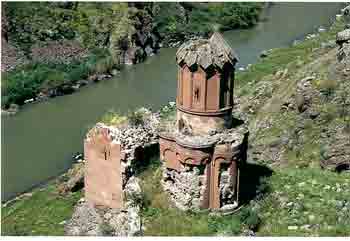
112 156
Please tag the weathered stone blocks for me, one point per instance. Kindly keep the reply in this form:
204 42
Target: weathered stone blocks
202 152
103 179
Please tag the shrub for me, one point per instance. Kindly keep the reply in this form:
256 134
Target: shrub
250 218
136 118
329 113
104 65
344 103
328 87
139 200
54 78
30 22
228 225
113 118
26 81
78 73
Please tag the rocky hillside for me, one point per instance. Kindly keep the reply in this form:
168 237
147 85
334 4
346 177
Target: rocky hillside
131 31
51 49
299 111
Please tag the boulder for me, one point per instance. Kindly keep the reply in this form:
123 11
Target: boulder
344 53
75 180
343 37
346 11
13 109
92 78
149 50
336 154
264 54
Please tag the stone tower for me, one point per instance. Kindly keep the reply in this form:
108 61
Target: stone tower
205 85
202 151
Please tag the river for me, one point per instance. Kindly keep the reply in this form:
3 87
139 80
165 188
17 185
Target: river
39 141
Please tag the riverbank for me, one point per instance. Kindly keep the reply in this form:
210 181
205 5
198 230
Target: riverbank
39 81
39 69
291 194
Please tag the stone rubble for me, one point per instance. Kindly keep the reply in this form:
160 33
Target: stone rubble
97 221
186 188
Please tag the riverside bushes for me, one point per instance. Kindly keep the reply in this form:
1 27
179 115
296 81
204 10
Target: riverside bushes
27 81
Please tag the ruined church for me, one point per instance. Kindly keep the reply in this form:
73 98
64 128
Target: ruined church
202 151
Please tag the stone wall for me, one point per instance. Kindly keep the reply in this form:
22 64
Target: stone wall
103 175
113 155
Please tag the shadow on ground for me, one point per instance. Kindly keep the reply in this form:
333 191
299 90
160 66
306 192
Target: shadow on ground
253 183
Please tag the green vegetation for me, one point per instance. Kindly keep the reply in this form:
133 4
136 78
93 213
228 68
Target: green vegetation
291 57
93 24
30 22
133 118
43 213
162 219
27 81
113 118
106 24
176 21
136 117
313 200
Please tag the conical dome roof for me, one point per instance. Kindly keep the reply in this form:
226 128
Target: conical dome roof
206 52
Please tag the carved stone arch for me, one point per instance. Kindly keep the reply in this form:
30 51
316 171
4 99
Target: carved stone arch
178 156
205 160
166 150
234 176
214 192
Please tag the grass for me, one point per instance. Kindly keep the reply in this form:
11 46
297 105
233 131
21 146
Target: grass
161 218
315 201
301 197
41 214
290 57
111 117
